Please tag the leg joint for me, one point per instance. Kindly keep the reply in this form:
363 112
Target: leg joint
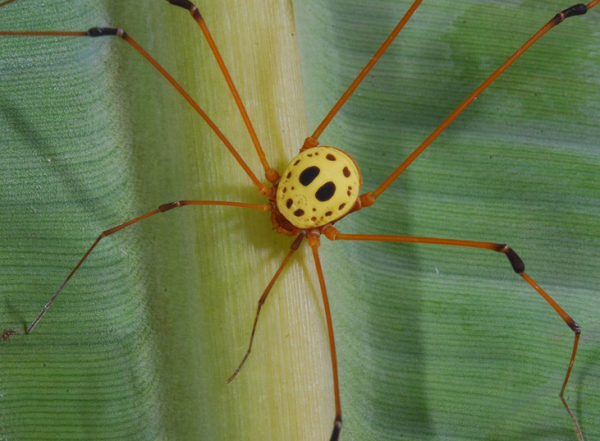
185 4
514 259
337 428
169 206
106 32
574 10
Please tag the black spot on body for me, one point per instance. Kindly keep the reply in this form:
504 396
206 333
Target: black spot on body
346 172
341 206
309 174
296 163
289 174
330 157
298 212
326 192
289 203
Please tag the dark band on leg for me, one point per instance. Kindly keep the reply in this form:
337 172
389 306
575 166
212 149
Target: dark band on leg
185 4
337 428
105 32
169 206
574 10
514 259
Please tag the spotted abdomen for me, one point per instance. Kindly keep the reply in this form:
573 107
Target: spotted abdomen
319 186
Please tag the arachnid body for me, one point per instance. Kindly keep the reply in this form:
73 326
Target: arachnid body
402 309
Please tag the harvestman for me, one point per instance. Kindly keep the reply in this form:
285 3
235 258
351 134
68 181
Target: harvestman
320 186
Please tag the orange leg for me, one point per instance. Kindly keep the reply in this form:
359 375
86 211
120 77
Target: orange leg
557 19
165 207
263 298
270 173
264 189
518 266
313 140
314 243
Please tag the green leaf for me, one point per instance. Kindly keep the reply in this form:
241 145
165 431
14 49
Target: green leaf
433 343
437 343
141 342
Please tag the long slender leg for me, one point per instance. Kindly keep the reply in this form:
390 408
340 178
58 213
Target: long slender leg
264 189
314 243
518 266
161 209
263 298
313 140
270 173
579 9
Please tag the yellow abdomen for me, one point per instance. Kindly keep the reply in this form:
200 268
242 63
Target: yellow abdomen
319 186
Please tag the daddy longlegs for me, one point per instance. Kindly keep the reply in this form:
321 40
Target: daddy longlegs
8 332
